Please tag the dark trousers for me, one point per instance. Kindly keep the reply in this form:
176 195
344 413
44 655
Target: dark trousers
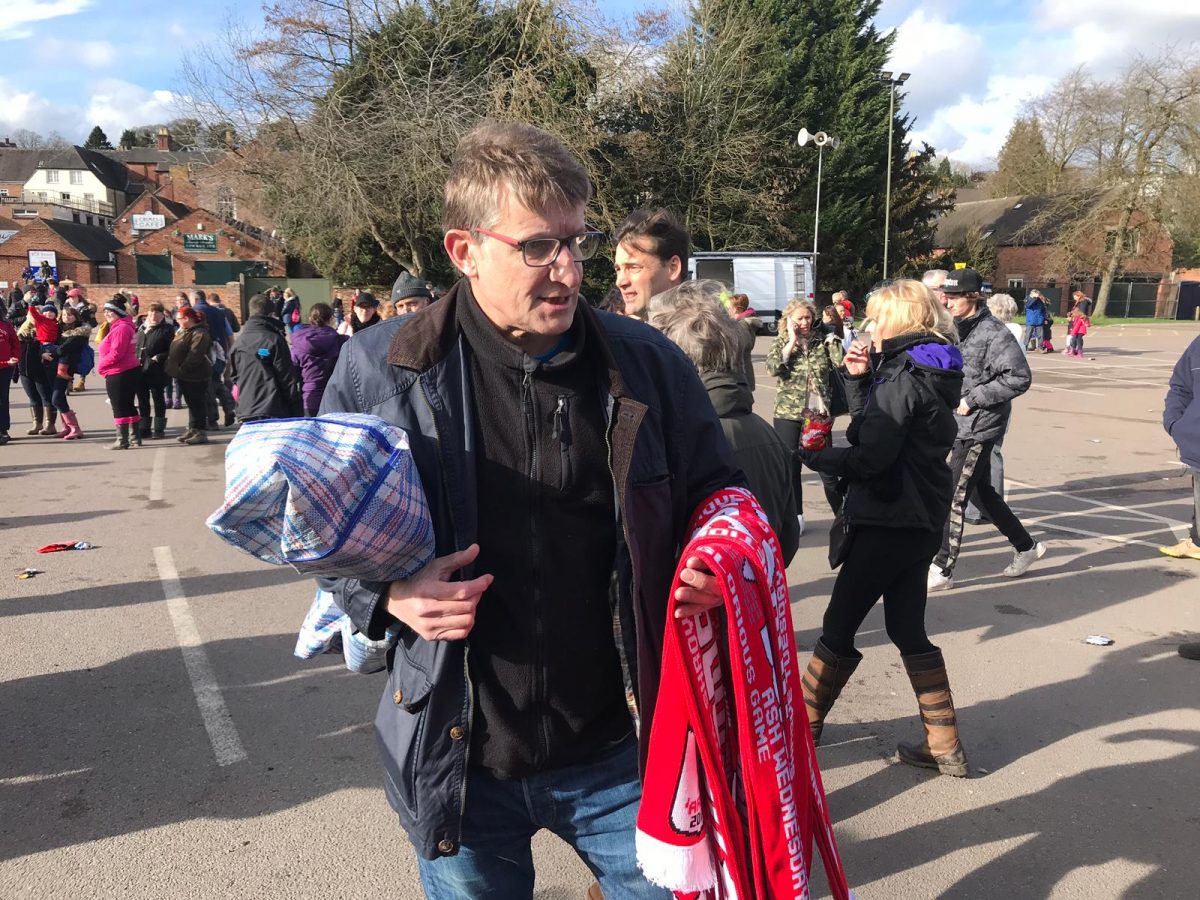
193 396
122 391
790 431
1196 506
58 394
995 479
39 393
892 563
5 387
152 388
970 467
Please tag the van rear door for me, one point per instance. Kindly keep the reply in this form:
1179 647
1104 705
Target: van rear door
757 278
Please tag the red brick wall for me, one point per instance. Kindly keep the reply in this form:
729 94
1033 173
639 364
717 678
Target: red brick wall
123 224
36 235
165 293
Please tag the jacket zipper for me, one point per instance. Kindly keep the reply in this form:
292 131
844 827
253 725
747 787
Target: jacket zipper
618 625
531 436
560 434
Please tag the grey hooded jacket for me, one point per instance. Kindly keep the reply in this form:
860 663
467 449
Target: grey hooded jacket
667 454
995 372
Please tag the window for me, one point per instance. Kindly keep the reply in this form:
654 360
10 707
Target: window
43 196
64 196
89 220
75 218
3 192
52 176
76 177
1016 282
1130 244
25 213
226 203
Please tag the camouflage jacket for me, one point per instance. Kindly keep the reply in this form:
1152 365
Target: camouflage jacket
805 374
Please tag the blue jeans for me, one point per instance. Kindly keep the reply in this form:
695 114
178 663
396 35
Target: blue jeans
592 806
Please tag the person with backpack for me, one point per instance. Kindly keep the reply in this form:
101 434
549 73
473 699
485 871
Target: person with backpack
261 366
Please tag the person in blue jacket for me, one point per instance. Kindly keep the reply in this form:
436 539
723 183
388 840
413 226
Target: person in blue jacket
1181 418
1035 318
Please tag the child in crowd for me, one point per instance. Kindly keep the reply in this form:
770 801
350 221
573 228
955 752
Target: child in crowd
1047 345
45 320
1077 326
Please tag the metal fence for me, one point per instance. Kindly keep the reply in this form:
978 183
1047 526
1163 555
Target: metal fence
1126 299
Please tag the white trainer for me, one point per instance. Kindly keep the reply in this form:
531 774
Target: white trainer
1022 561
801 520
938 580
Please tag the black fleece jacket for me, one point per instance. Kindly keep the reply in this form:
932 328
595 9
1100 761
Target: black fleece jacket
547 675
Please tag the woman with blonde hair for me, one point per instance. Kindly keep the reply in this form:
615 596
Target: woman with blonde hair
805 359
903 392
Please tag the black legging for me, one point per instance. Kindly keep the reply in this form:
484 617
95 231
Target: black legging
153 387
122 394
193 395
39 392
790 430
892 563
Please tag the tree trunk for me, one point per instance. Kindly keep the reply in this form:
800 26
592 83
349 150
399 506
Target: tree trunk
406 261
1118 251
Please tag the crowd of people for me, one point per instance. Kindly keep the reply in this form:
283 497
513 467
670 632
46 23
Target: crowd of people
563 450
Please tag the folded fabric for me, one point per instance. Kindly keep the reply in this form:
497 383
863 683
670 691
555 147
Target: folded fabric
336 495
327 629
732 798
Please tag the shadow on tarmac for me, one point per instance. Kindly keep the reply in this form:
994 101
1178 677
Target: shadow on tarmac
62 518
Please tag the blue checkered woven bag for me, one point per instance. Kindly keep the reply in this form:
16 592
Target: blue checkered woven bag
337 495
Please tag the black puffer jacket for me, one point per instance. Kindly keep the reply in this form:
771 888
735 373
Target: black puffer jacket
153 347
995 372
894 472
261 365
760 453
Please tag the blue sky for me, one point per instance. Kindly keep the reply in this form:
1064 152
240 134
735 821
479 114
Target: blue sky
70 64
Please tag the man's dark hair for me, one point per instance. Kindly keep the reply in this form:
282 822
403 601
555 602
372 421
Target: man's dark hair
613 301
656 231
260 305
320 314
199 296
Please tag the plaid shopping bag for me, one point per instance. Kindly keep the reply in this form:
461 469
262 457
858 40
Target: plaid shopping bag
337 495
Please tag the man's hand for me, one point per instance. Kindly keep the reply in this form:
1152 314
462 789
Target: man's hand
963 409
701 593
435 607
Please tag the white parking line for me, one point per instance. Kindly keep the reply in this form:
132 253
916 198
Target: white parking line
1063 390
1173 524
156 474
217 722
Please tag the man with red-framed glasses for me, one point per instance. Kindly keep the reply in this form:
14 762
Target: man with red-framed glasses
562 451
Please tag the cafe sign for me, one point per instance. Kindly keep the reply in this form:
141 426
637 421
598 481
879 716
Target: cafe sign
199 243
149 222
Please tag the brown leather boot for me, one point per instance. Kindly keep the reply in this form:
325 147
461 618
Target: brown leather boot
822 684
941 748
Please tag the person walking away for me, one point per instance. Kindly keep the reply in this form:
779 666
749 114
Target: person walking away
804 358
261 366
1004 308
218 397
315 349
1035 319
1181 419
364 314
122 372
1048 333
995 372
1077 326
692 318
748 324
189 362
576 549
903 395
291 312
651 257
154 339
10 357
62 363
35 380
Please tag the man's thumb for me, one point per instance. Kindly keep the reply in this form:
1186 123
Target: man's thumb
459 560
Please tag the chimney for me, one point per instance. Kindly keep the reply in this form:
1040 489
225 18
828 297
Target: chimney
164 138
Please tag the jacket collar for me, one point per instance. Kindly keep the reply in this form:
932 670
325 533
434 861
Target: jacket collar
730 395
431 334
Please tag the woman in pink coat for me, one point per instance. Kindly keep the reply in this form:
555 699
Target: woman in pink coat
118 364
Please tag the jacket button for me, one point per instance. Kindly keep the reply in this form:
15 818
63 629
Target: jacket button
398 697
456 733
446 846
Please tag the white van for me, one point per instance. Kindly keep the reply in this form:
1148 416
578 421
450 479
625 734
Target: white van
769 279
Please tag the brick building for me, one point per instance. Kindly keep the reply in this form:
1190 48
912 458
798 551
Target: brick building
1028 256
82 253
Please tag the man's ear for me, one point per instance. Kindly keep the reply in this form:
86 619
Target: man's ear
460 249
675 268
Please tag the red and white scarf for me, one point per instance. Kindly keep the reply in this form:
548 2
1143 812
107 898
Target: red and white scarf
732 797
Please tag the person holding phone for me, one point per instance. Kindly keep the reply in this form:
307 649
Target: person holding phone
805 359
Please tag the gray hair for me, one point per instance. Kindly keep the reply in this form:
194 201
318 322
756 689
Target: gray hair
197 296
934 278
697 322
1003 307
697 291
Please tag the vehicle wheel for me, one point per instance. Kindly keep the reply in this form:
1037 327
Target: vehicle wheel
771 327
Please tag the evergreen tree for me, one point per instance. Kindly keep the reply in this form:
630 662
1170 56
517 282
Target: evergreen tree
128 139
1023 166
97 140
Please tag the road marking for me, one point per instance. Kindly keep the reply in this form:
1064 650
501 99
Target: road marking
1063 390
156 474
35 779
217 722
1111 507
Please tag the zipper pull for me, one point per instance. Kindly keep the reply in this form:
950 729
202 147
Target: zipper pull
558 418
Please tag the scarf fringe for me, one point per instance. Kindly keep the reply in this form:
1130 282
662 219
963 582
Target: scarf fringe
675 867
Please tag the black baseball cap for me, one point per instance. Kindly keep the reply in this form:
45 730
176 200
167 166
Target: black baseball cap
962 281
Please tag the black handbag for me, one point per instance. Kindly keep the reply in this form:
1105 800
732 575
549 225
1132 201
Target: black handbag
841 535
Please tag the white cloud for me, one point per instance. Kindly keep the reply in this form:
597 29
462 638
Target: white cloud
16 16
116 105
27 109
940 75
97 54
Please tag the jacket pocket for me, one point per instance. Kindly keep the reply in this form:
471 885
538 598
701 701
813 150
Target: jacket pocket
401 721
